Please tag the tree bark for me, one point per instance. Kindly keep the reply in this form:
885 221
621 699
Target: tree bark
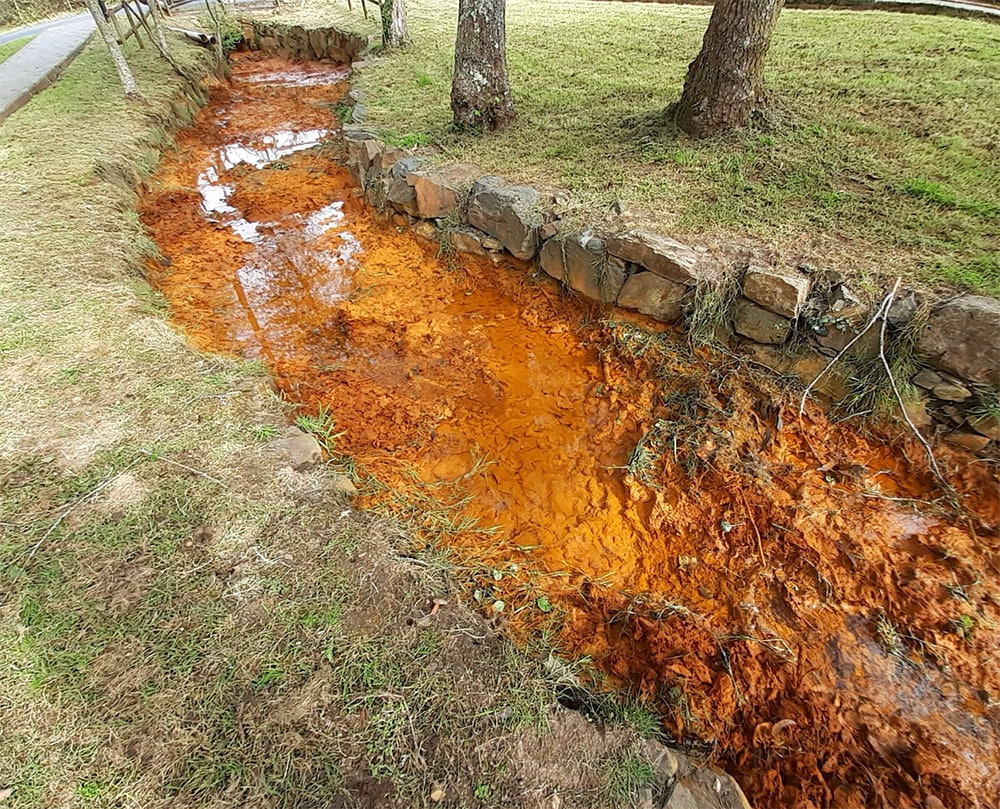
117 56
394 31
480 91
725 82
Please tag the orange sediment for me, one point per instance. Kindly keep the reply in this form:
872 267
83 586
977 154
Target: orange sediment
782 590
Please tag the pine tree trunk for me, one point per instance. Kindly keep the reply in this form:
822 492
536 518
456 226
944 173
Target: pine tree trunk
117 56
480 91
394 31
725 82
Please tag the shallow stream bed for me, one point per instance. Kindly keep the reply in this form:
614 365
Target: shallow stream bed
793 595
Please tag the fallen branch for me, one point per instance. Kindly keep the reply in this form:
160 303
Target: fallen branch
899 396
154 457
880 313
79 502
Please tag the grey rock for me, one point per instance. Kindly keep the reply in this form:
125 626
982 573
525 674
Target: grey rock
844 304
903 309
780 292
399 193
962 338
467 240
299 450
974 442
587 271
439 191
386 157
986 425
760 324
653 295
926 378
806 364
361 152
917 413
951 391
359 112
425 229
680 783
836 336
661 255
509 213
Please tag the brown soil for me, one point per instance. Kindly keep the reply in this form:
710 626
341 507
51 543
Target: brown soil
784 590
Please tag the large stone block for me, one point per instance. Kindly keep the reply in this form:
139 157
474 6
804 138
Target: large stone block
760 324
653 295
509 213
661 255
580 263
783 293
440 191
963 337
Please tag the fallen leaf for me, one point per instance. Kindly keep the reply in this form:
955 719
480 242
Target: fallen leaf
437 794
5 793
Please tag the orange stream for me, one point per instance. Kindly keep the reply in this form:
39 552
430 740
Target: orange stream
766 584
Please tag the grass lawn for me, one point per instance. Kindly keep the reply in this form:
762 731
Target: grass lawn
8 49
880 158
184 620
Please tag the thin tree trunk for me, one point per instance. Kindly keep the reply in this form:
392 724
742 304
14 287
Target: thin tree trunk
725 82
117 55
480 91
394 31
158 25
217 11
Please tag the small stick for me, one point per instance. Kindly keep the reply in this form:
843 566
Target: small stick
760 548
154 457
80 501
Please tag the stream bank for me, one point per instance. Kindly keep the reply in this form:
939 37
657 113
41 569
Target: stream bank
779 589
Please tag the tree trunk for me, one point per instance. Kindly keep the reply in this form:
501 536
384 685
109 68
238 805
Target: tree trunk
480 91
159 35
394 32
117 56
725 82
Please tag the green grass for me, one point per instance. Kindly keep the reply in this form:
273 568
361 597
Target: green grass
879 155
8 49
184 622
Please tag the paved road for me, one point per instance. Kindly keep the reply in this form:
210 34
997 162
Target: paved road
32 30
38 64
35 66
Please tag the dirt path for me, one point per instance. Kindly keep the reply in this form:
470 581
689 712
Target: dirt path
794 593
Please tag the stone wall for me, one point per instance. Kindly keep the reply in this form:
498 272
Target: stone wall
793 320
297 42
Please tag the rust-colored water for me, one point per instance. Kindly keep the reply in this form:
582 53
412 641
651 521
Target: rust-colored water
768 583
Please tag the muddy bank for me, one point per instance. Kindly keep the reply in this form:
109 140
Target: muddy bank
795 596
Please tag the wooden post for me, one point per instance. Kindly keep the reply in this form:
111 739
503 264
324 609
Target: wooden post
113 16
133 23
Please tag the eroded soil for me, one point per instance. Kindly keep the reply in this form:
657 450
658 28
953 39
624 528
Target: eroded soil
794 595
